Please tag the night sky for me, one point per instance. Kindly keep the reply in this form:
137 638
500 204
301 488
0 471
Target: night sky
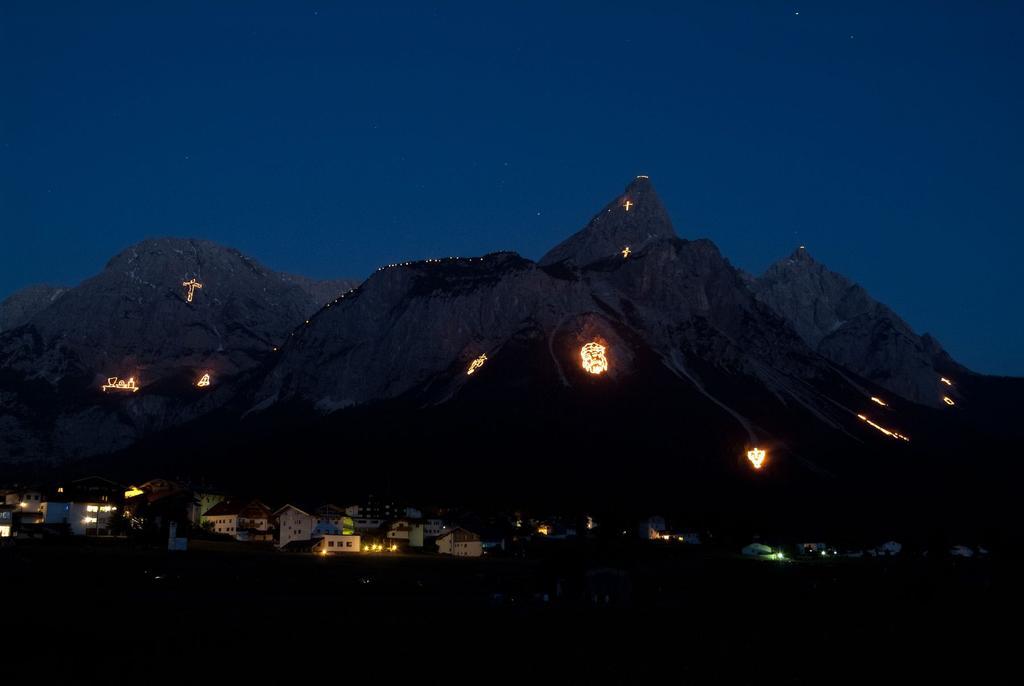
329 138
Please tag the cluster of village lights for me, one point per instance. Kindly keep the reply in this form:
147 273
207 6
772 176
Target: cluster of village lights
379 548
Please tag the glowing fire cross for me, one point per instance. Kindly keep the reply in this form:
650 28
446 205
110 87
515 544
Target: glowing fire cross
192 286
756 457
594 360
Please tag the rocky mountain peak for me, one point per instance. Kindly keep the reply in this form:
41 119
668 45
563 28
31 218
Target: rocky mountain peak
633 219
801 256
841 321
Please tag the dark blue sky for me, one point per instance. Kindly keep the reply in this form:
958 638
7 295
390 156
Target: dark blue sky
328 138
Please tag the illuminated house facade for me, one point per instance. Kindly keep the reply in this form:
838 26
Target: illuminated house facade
206 502
338 544
460 542
398 530
293 524
240 519
87 506
83 518
25 500
6 521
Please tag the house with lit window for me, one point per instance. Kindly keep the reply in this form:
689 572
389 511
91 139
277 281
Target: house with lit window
27 505
88 506
337 543
243 520
292 524
6 521
26 500
82 518
459 542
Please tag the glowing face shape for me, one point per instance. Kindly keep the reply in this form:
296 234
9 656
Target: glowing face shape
204 381
476 364
593 357
756 457
191 285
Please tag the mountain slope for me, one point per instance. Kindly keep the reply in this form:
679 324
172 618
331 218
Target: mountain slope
134 319
669 311
22 305
838 318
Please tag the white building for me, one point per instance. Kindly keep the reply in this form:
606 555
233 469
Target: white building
460 542
84 519
337 543
244 521
25 500
293 524
759 550
398 531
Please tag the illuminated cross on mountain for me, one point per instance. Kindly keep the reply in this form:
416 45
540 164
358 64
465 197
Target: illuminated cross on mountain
629 203
192 286
625 252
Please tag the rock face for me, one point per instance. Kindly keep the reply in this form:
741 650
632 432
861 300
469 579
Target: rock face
838 319
789 359
417 326
134 320
26 303
634 219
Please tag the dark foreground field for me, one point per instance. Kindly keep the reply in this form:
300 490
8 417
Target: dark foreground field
83 609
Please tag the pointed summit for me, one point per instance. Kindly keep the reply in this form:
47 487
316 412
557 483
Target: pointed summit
801 256
633 219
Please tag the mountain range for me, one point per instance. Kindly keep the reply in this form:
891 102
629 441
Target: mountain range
704 363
